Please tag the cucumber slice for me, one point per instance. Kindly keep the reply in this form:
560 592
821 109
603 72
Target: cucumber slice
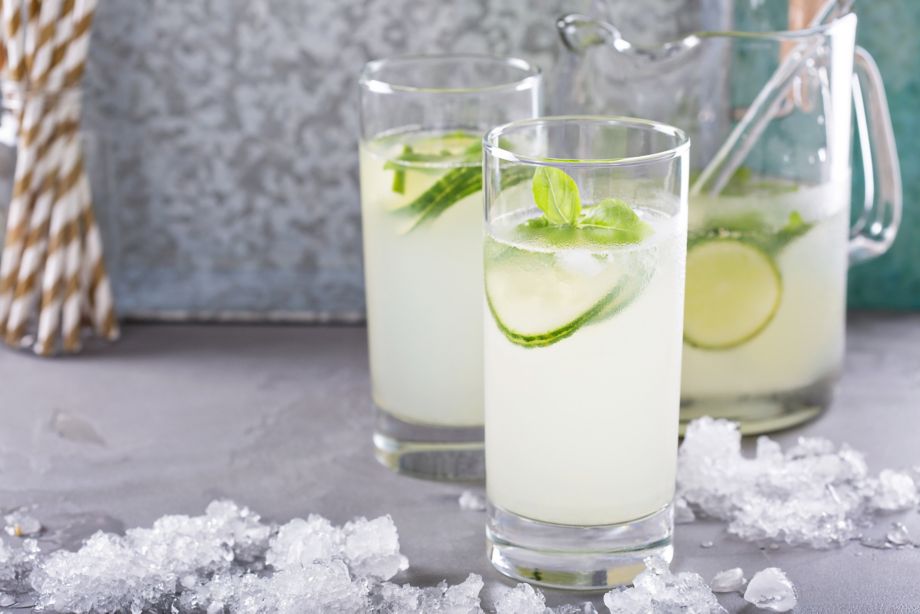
733 292
538 298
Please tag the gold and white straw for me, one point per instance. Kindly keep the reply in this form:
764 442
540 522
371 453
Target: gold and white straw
52 257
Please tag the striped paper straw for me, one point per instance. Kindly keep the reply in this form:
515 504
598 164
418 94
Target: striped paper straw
46 77
17 222
99 290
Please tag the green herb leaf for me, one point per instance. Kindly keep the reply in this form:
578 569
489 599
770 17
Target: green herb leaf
795 227
399 174
751 226
614 219
610 222
556 194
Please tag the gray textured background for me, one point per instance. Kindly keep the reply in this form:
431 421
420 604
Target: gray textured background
231 128
228 128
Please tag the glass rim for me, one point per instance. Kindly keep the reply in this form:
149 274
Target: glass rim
490 142
531 74
800 35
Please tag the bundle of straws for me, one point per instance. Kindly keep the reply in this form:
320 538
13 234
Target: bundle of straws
53 281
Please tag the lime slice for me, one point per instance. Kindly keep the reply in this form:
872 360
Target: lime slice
733 291
538 298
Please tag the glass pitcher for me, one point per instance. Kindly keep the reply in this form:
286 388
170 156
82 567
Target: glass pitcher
767 92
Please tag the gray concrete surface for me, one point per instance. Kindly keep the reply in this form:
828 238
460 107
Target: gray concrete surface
278 418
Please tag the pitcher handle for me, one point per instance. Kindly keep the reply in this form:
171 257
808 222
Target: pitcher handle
877 224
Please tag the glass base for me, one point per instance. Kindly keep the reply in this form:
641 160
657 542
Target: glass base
576 558
759 414
442 453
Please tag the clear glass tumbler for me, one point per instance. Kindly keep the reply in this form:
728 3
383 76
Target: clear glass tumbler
422 121
584 274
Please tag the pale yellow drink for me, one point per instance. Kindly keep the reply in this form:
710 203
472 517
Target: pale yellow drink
765 311
424 284
582 431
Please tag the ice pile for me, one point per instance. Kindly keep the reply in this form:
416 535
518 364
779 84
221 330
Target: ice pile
814 493
217 563
228 561
658 591
461 598
525 599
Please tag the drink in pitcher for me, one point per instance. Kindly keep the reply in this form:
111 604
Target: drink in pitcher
421 209
765 304
584 272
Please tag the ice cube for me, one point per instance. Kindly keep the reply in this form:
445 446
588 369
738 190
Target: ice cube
770 589
302 542
728 581
471 502
683 514
522 599
20 524
581 262
371 548
895 491
462 598
899 535
657 591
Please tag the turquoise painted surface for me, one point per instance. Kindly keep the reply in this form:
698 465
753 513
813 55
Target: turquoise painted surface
888 29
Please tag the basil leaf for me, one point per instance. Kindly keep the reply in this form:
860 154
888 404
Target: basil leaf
556 194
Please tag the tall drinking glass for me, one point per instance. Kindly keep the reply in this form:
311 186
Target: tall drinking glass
422 121
584 273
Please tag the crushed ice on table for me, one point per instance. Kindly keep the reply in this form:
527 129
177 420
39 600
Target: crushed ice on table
16 562
813 493
228 561
463 598
20 524
728 581
522 599
471 502
525 599
770 589
658 591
